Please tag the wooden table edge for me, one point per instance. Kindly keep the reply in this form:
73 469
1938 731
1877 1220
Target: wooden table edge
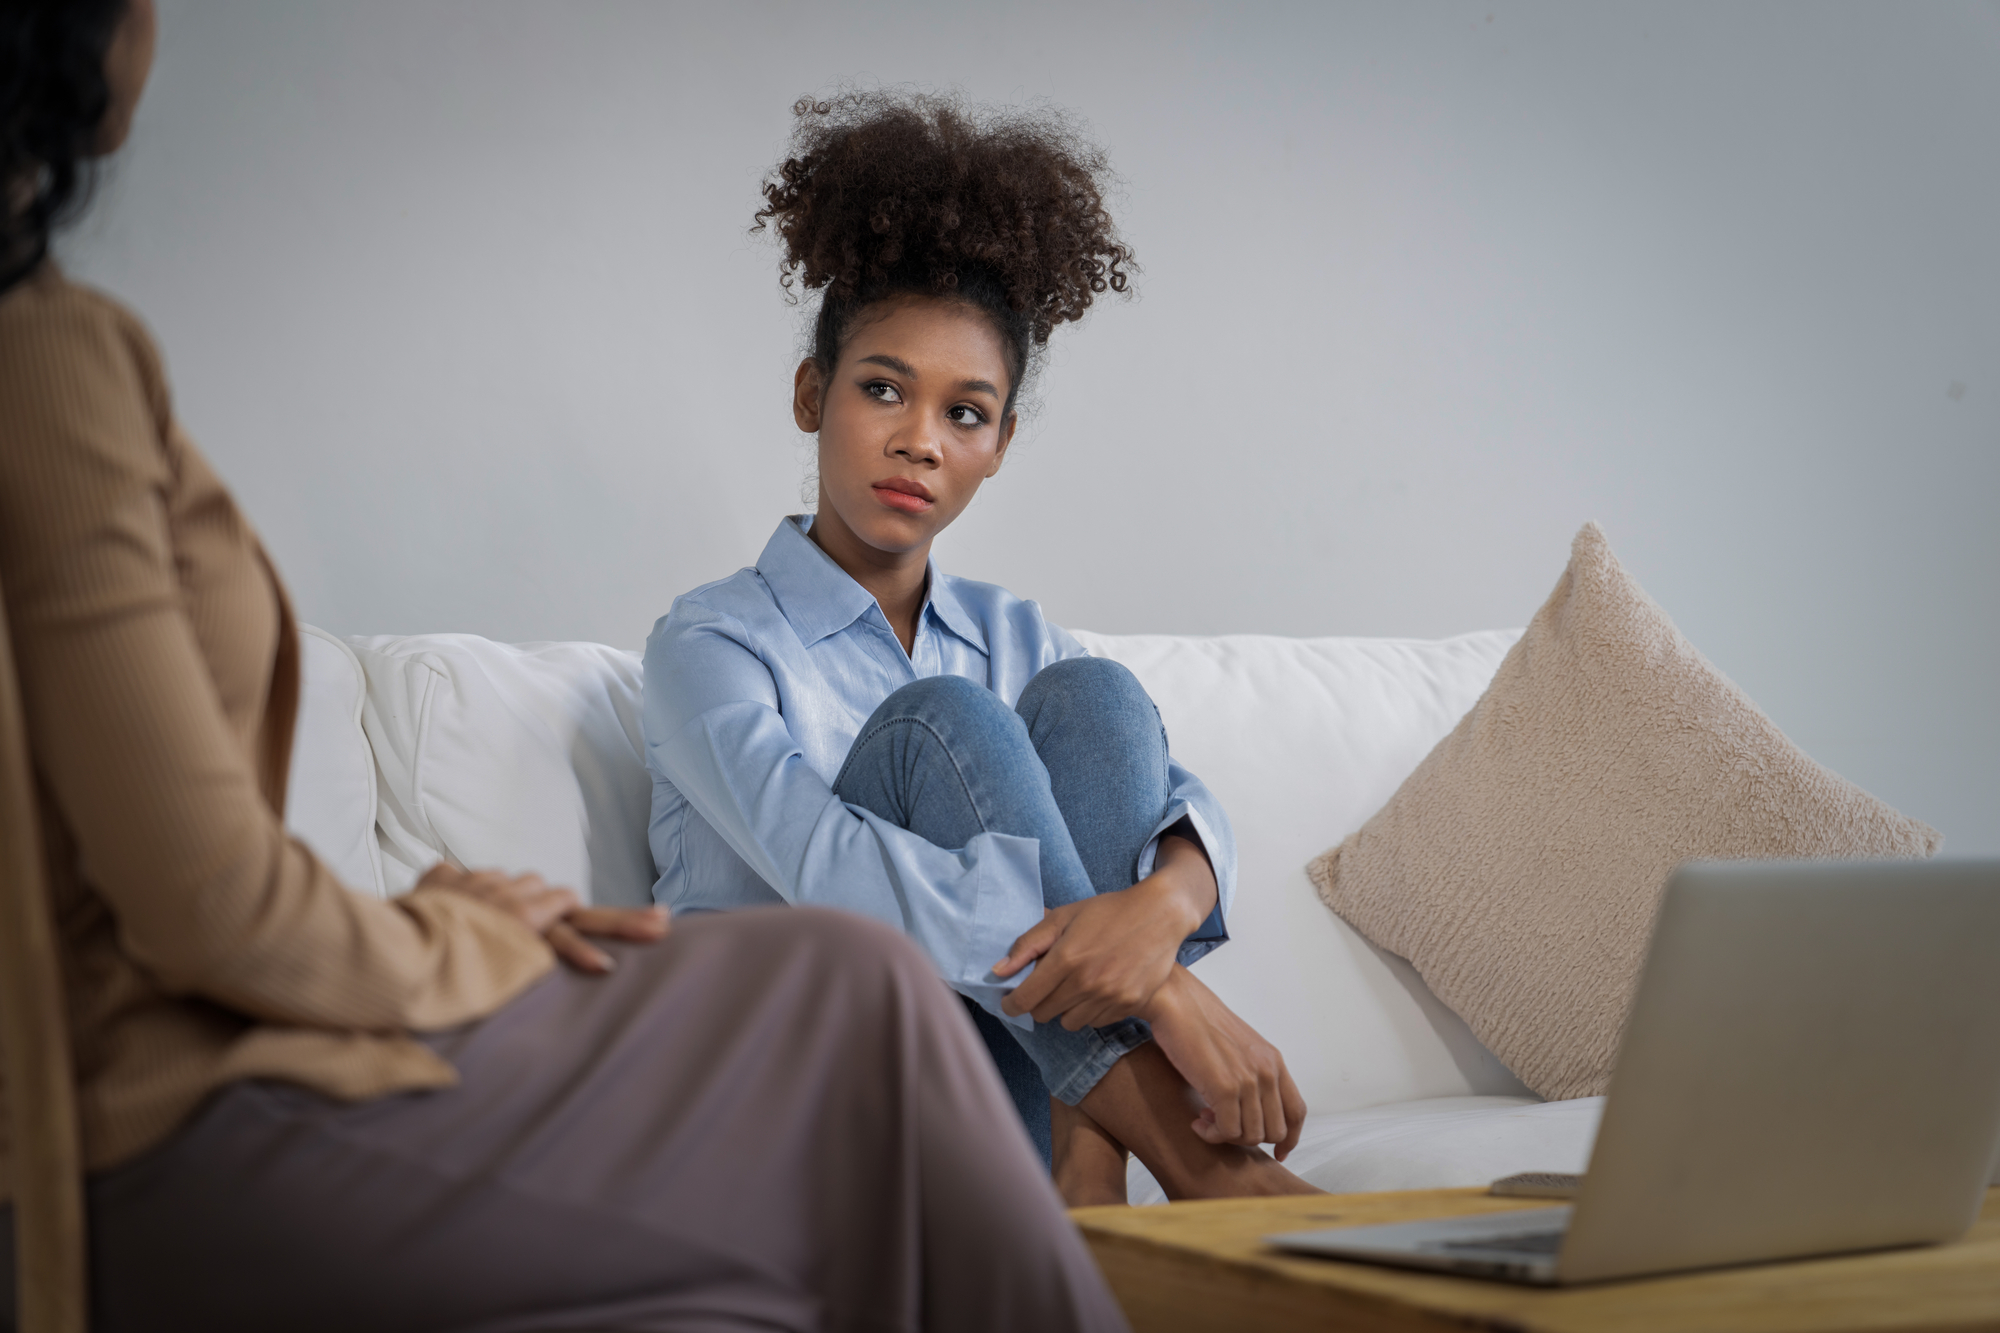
1194 1266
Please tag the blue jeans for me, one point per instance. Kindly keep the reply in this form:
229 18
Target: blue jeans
1080 765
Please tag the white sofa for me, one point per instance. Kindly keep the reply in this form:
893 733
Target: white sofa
528 757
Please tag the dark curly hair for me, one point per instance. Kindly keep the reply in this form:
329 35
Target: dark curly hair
884 195
53 97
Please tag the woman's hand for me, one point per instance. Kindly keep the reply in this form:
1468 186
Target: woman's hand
1103 958
1250 1094
554 914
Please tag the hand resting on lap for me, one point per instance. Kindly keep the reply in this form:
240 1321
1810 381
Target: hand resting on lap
553 913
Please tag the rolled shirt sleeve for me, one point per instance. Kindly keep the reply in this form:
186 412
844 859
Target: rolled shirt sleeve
1193 802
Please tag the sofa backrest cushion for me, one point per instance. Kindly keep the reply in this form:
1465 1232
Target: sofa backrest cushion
516 756
330 796
1302 740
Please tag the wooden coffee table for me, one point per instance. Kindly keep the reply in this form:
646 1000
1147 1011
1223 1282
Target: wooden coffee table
1201 1266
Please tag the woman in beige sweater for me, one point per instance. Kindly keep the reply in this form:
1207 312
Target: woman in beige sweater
302 1107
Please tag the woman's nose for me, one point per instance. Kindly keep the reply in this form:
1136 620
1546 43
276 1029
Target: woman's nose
918 446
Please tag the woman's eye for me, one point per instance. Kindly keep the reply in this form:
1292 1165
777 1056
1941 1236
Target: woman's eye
882 391
965 414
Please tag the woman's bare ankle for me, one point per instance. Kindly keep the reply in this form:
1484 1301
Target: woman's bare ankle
1144 1103
1087 1164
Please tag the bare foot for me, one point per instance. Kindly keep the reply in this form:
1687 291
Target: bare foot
1145 1104
1088 1165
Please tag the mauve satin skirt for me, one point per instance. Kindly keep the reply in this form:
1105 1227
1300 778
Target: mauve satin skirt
774 1119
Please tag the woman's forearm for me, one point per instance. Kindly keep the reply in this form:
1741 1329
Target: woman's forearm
1182 882
1105 958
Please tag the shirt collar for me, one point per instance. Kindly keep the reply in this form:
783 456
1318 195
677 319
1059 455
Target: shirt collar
818 598
945 604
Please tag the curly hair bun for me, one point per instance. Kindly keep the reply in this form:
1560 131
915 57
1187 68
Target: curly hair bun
883 195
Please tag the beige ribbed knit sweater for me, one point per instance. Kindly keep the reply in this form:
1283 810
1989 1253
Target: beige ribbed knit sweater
158 671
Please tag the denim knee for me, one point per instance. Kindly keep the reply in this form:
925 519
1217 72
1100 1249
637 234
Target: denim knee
944 700
947 759
1095 685
956 711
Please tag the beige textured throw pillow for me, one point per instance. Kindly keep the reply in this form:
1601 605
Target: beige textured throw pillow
1519 867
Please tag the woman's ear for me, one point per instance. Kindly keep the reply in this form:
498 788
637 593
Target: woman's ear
808 395
128 59
1006 438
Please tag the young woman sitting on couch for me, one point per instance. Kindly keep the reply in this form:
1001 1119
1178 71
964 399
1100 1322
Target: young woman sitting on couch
842 724
304 1108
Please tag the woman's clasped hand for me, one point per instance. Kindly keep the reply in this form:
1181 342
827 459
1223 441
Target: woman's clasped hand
1104 958
554 913
1114 956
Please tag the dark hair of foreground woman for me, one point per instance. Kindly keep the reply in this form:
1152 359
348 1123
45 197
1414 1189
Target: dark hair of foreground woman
53 98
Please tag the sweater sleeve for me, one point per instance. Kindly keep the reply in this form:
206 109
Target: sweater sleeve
131 738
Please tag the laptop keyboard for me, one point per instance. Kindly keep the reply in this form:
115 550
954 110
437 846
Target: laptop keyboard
1531 1242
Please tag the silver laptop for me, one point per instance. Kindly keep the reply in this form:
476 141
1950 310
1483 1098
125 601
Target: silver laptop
1811 1065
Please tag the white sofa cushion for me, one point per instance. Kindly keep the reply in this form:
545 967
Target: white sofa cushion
1302 740
517 756
1437 1143
330 796
1445 1143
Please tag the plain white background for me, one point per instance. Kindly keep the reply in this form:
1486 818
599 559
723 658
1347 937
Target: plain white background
460 299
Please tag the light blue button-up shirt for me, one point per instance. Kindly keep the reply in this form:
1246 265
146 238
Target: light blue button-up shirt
756 687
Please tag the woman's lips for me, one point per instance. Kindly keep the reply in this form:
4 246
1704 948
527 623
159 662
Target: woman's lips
909 496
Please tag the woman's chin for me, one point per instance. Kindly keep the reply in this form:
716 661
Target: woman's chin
899 538
893 532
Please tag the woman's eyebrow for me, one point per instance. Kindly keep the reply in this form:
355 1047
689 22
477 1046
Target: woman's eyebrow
902 367
895 363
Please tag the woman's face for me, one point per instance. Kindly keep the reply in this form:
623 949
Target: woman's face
909 424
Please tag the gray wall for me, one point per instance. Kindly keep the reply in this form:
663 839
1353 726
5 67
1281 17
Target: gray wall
459 298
